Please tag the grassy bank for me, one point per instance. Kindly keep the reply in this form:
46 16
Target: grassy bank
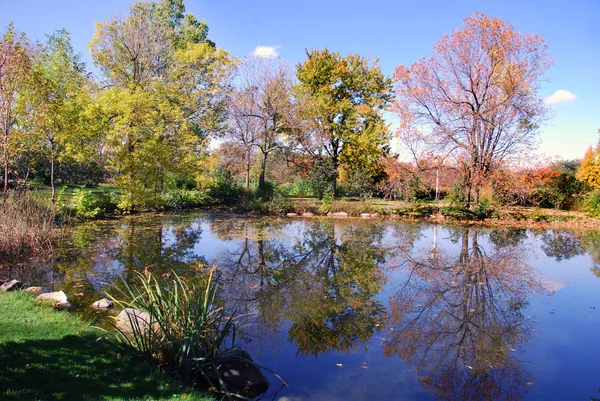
50 355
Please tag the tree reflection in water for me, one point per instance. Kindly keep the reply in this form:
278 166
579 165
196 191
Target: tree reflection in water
323 282
458 318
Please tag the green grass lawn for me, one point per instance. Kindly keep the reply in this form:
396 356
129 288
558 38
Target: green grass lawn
50 355
67 195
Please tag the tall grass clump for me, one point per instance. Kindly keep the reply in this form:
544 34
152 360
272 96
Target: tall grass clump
27 225
182 326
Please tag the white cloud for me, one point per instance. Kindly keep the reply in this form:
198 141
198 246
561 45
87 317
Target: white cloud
560 96
266 51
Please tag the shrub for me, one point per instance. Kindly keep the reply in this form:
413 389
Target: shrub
278 204
186 198
224 190
327 202
89 205
481 211
322 177
539 215
592 204
360 183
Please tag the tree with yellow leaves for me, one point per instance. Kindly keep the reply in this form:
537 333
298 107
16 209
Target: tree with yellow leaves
589 171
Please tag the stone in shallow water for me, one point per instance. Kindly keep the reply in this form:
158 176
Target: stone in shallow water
240 374
308 214
365 215
103 304
11 285
340 214
58 300
291 214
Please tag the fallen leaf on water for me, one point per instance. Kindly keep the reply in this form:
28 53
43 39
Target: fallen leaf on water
530 383
364 367
470 367
338 365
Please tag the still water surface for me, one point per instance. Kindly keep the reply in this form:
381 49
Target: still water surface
379 309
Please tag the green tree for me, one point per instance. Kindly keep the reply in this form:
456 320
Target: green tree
345 99
61 90
15 79
166 93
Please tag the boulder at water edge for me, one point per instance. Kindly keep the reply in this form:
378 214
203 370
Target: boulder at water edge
58 300
11 285
103 304
131 319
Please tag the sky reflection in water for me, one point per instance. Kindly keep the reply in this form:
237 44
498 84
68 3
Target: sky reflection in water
351 309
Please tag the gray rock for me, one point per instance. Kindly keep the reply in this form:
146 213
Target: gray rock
33 290
131 319
308 214
375 215
329 214
58 300
11 285
340 214
103 304
291 214
240 375
365 215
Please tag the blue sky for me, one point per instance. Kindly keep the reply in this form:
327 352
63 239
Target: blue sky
397 32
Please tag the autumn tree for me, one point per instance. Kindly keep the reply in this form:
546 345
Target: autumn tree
261 109
589 171
15 79
163 95
475 96
344 102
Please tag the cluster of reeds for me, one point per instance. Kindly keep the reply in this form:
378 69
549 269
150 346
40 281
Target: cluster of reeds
182 326
27 224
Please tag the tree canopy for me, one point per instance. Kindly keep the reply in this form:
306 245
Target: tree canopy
475 96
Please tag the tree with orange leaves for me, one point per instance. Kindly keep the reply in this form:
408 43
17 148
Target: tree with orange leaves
475 96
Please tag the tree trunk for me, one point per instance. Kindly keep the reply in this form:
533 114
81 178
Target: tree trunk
261 178
52 178
5 190
248 169
335 158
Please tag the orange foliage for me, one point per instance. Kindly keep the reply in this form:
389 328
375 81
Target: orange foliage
475 96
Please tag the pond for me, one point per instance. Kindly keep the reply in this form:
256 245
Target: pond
349 309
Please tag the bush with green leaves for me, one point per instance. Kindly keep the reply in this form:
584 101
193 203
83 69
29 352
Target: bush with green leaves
182 198
592 204
224 189
360 183
89 205
322 177
480 211
327 202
